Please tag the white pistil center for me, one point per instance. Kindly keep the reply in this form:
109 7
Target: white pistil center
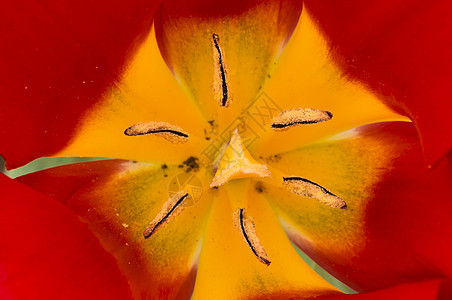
237 162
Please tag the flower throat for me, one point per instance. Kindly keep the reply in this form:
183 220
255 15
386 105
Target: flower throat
234 161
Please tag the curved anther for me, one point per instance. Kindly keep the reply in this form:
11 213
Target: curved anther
170 209
307 188
169 132
293 117
245 225
220 79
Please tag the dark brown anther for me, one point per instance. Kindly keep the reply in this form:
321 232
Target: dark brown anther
220 80
170 209
292 117
169 132
307 188
245 224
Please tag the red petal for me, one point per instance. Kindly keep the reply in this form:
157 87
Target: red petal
397 226
56 58
216 8
118 199
401 49
250 36
433 289
47 253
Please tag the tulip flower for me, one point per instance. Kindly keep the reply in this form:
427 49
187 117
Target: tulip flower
238 130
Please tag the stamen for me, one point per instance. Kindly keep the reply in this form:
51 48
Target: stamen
220 77
169 132
299 116
245 224
307 188
170 209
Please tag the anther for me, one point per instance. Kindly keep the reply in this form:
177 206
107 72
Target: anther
220 77
306 188
299 116
169 132
170 209
245 225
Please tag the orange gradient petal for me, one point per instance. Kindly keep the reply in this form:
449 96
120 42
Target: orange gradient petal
146 92
400 50
306 77
396 228
118 199
228 268
250 34
57 58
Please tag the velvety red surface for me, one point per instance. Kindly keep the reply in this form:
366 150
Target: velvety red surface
401 49
47 253
216 8
427 290
56 58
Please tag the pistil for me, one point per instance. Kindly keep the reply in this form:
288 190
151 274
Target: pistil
237 162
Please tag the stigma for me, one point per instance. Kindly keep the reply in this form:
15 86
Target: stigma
236 162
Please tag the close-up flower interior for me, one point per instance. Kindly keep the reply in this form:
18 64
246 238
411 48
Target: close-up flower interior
242 149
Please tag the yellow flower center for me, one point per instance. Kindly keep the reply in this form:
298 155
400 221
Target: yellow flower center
233 160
